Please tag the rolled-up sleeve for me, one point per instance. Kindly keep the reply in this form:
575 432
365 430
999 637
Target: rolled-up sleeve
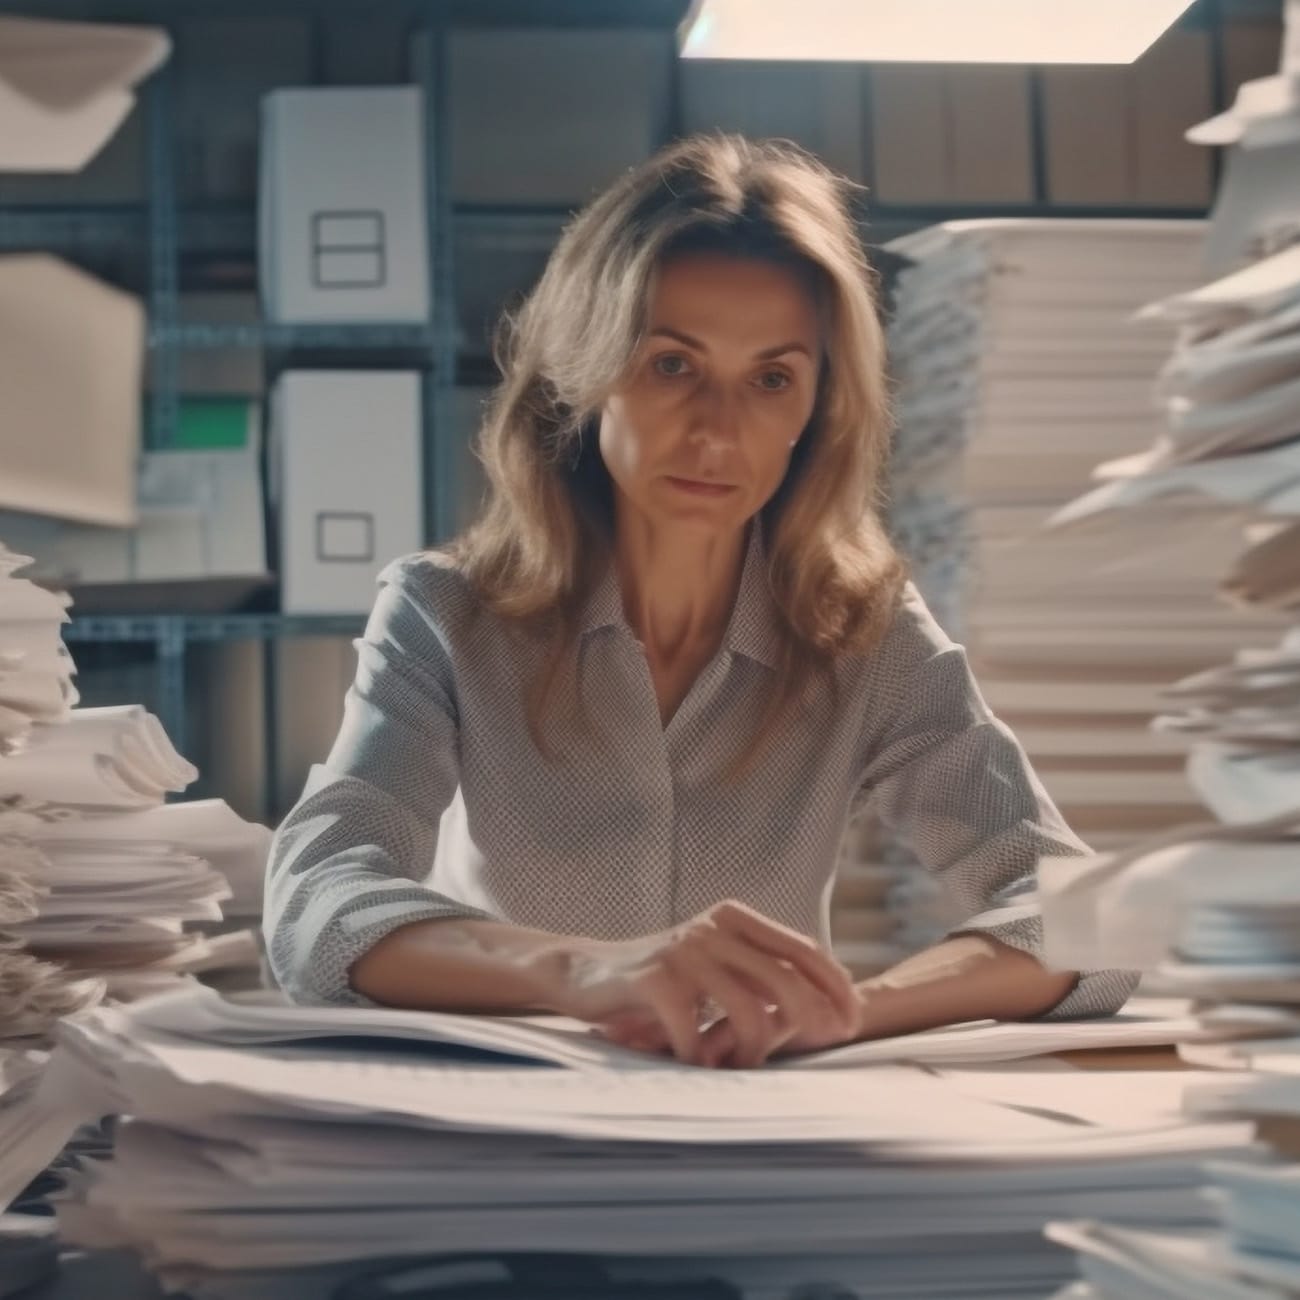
954 784
348 862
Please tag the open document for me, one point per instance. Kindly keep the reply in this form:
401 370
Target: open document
267 1019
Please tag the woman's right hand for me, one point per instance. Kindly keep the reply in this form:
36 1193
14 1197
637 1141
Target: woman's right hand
769 981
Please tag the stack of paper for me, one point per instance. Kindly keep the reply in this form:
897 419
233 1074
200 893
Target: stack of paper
1018 368
272 1137
109 904
117 757
30 1141
1214 911
1215 915
1258 204
1125 1264
1244 722
1227 460
34 993
139 899
20 1070
1229 395
102 886
1268 572
210 829
26 1175
36 696
35 668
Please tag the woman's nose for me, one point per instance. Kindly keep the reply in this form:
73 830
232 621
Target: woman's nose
716 416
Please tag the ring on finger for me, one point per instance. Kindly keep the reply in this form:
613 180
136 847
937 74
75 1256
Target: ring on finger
707 1014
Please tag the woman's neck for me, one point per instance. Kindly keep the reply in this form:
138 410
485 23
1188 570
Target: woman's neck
678 586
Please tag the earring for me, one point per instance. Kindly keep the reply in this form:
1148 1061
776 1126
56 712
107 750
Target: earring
793 441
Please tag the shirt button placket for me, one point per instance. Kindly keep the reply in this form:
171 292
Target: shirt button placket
702 692
651 741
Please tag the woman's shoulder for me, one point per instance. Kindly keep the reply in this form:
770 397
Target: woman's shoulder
432 565
914 626
916 669
910 631
430 570
435 588
911 637
434 583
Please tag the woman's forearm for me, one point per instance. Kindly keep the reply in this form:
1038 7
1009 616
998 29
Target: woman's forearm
492 967
967 977
465 965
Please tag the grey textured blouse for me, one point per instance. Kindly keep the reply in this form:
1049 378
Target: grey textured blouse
435 802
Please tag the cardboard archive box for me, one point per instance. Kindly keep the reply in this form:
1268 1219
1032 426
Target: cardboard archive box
342 229
345 483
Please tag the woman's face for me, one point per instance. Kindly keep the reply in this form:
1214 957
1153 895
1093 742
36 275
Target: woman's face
699 433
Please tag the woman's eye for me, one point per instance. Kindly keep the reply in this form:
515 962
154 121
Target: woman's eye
774 381
670 365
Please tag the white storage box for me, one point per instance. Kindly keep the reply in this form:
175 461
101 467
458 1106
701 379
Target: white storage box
341 206
345 481
201 516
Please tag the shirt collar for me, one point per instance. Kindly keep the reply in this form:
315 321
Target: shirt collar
752 630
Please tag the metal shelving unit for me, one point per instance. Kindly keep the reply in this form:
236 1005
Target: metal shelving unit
168 335
165 231
270 336
171 634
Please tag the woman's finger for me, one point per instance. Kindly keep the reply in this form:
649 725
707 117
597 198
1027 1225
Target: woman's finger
673 1002
802 1004
802 953
718 1044
745 1009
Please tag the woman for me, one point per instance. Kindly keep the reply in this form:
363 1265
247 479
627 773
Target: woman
627 716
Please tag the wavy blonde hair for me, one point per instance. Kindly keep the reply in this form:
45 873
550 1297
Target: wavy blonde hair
545 533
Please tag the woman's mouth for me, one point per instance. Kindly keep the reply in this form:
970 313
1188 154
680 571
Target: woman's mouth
701 487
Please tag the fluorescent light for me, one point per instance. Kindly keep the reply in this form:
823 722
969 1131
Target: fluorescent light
927 31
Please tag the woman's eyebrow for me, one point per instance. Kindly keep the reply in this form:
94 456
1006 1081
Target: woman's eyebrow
667 332
767 354
781 349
